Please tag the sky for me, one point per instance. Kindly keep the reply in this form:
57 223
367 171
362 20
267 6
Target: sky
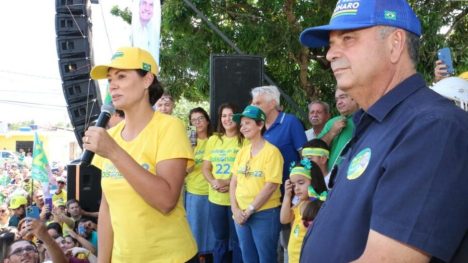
30 82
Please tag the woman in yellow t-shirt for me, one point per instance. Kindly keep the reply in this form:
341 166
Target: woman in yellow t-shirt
143 160
255 194
196 186
220 152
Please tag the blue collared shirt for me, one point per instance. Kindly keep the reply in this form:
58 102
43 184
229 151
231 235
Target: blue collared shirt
404 175
287 134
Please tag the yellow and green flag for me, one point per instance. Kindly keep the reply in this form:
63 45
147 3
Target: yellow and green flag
40 164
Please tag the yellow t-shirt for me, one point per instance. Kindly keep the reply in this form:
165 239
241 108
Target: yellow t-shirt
253 172
221 154
62 196
298 231
195 182
142 233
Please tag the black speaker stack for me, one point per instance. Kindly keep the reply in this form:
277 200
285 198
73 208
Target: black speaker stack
84 185
73 28
232 77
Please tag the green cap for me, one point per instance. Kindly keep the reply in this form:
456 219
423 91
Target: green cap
250 112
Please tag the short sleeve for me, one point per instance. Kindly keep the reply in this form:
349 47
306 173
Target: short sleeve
275 166
209 148
421 197
173 143
298 135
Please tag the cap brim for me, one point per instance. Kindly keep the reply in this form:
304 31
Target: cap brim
316 37
99 72
237 117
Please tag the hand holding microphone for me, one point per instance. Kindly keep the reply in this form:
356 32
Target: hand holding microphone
96 135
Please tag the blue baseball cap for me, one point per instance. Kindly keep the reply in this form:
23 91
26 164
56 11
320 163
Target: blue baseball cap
251 112
355 14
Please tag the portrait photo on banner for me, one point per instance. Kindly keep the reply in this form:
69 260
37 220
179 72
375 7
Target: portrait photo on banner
146 26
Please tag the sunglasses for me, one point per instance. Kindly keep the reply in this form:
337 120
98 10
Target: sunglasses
19 251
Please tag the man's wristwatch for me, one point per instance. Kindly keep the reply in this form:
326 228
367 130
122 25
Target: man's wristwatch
251 208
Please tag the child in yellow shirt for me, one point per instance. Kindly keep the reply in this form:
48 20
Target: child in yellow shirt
303 181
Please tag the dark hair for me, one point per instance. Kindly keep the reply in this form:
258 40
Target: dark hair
316 143
56 226
260 123
207 118
155 89
72 201
120 113
221 130
318 183
6 238
311 210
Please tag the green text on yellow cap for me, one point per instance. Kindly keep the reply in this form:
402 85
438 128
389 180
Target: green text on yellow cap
127 58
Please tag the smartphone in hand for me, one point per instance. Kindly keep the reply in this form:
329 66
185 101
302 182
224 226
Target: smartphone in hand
32 212
48 201
445 55
81 230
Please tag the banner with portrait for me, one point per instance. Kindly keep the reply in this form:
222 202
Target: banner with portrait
146 26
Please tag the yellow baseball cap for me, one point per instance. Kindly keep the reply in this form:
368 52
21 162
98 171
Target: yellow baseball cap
59 202
17 201
127 58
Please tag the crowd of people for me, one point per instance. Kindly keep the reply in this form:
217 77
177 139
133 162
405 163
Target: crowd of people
370 184
31 227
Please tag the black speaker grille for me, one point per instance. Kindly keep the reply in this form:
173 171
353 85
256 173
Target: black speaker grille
232 77
84 184
71 25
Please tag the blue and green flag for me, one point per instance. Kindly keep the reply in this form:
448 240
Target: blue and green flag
40 164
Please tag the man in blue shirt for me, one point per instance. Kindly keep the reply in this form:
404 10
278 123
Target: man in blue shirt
401 189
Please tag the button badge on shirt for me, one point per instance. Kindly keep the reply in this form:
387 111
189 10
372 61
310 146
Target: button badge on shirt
359 164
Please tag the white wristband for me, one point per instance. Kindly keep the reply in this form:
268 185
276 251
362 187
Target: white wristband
251 208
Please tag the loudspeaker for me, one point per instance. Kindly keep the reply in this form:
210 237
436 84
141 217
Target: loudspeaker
75 68
84 185
76 7
71 25
73 47
232 77
83 113
80 90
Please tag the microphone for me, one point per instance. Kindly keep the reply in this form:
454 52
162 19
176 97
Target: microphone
103 119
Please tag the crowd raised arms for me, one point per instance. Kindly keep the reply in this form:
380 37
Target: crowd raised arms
368 185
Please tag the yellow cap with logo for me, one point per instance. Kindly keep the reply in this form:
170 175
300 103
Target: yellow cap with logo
17 201
127 58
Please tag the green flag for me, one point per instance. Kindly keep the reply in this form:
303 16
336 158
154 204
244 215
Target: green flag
108 98
40 164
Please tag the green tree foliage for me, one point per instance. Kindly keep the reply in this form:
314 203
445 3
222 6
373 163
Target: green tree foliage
271 29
